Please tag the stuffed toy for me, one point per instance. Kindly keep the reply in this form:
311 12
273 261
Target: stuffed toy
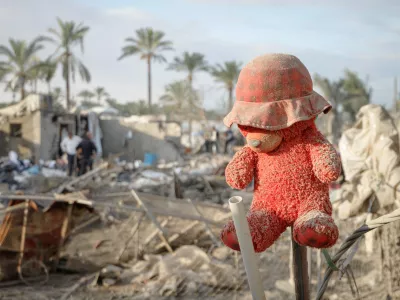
291 162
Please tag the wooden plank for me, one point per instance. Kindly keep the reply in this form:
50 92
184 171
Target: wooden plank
156 211
131 234
161 230
23 236
83 177
64 230
177 235
155 232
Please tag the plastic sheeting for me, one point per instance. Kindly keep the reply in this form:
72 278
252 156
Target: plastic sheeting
94 128
371 162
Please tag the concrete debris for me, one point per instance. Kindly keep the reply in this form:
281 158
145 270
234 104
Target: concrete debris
185 271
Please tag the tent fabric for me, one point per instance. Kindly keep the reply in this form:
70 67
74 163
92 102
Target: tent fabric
371 161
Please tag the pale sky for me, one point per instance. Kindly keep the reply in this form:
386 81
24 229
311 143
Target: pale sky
328 36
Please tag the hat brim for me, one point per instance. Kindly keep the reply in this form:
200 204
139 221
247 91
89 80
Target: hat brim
279 114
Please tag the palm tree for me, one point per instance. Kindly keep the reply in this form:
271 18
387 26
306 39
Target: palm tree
190 63
86 95
19 64
358 93
149 45
48 72
333 91
57 95
36 73
227 74
100 93
180 98
70 34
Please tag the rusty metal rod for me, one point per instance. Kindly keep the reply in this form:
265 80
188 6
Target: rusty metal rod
300 269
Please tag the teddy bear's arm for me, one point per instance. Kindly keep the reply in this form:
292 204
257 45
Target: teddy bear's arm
240 171
325 159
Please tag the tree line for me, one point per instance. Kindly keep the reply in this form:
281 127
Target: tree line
21 66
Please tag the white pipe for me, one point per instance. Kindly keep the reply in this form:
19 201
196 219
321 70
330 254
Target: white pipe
246 247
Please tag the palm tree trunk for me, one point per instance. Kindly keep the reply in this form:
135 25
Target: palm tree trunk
190 79
335 126
230 101
149 82
22 89
67 83
190 132
35 86
48 88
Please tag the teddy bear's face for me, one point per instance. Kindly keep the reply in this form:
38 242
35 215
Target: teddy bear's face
260 140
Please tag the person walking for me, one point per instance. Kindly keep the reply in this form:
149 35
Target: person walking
68 146
87 151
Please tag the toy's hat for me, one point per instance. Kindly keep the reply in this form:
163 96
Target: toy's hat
273 92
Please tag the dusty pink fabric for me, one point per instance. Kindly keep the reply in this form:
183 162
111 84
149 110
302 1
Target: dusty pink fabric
273 92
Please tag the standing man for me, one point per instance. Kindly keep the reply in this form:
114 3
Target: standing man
87 151
68 145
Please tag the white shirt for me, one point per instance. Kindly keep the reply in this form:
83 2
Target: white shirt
69 145
214 136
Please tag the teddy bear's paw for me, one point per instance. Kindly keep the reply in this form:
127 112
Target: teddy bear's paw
228 236
265 228
315 229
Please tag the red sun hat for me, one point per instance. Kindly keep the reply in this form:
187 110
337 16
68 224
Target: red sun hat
273 92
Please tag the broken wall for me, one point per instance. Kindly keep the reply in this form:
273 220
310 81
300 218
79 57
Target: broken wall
50 137
27 142
146 137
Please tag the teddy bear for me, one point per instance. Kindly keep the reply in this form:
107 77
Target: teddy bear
290 161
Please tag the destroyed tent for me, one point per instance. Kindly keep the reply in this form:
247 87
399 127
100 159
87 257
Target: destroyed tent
371 163
34 230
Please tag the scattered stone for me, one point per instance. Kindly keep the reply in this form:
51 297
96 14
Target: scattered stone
221 253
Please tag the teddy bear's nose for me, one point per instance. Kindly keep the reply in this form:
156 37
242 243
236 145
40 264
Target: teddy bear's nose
254 143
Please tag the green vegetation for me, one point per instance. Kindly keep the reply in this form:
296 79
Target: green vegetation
149 44
22 67
68 35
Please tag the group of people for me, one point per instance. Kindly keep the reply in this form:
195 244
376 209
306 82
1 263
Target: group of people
80 153
213 140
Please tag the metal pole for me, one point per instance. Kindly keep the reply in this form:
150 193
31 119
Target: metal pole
246 248
300 268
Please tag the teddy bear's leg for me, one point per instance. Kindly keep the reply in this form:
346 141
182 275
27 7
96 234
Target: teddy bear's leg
265 228
314 226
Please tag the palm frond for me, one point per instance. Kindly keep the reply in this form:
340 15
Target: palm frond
148 43
7 52
129 51
83 72
159 58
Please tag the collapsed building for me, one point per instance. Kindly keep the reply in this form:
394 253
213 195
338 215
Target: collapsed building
34 129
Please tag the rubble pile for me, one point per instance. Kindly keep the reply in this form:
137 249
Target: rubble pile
153 227
187 271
